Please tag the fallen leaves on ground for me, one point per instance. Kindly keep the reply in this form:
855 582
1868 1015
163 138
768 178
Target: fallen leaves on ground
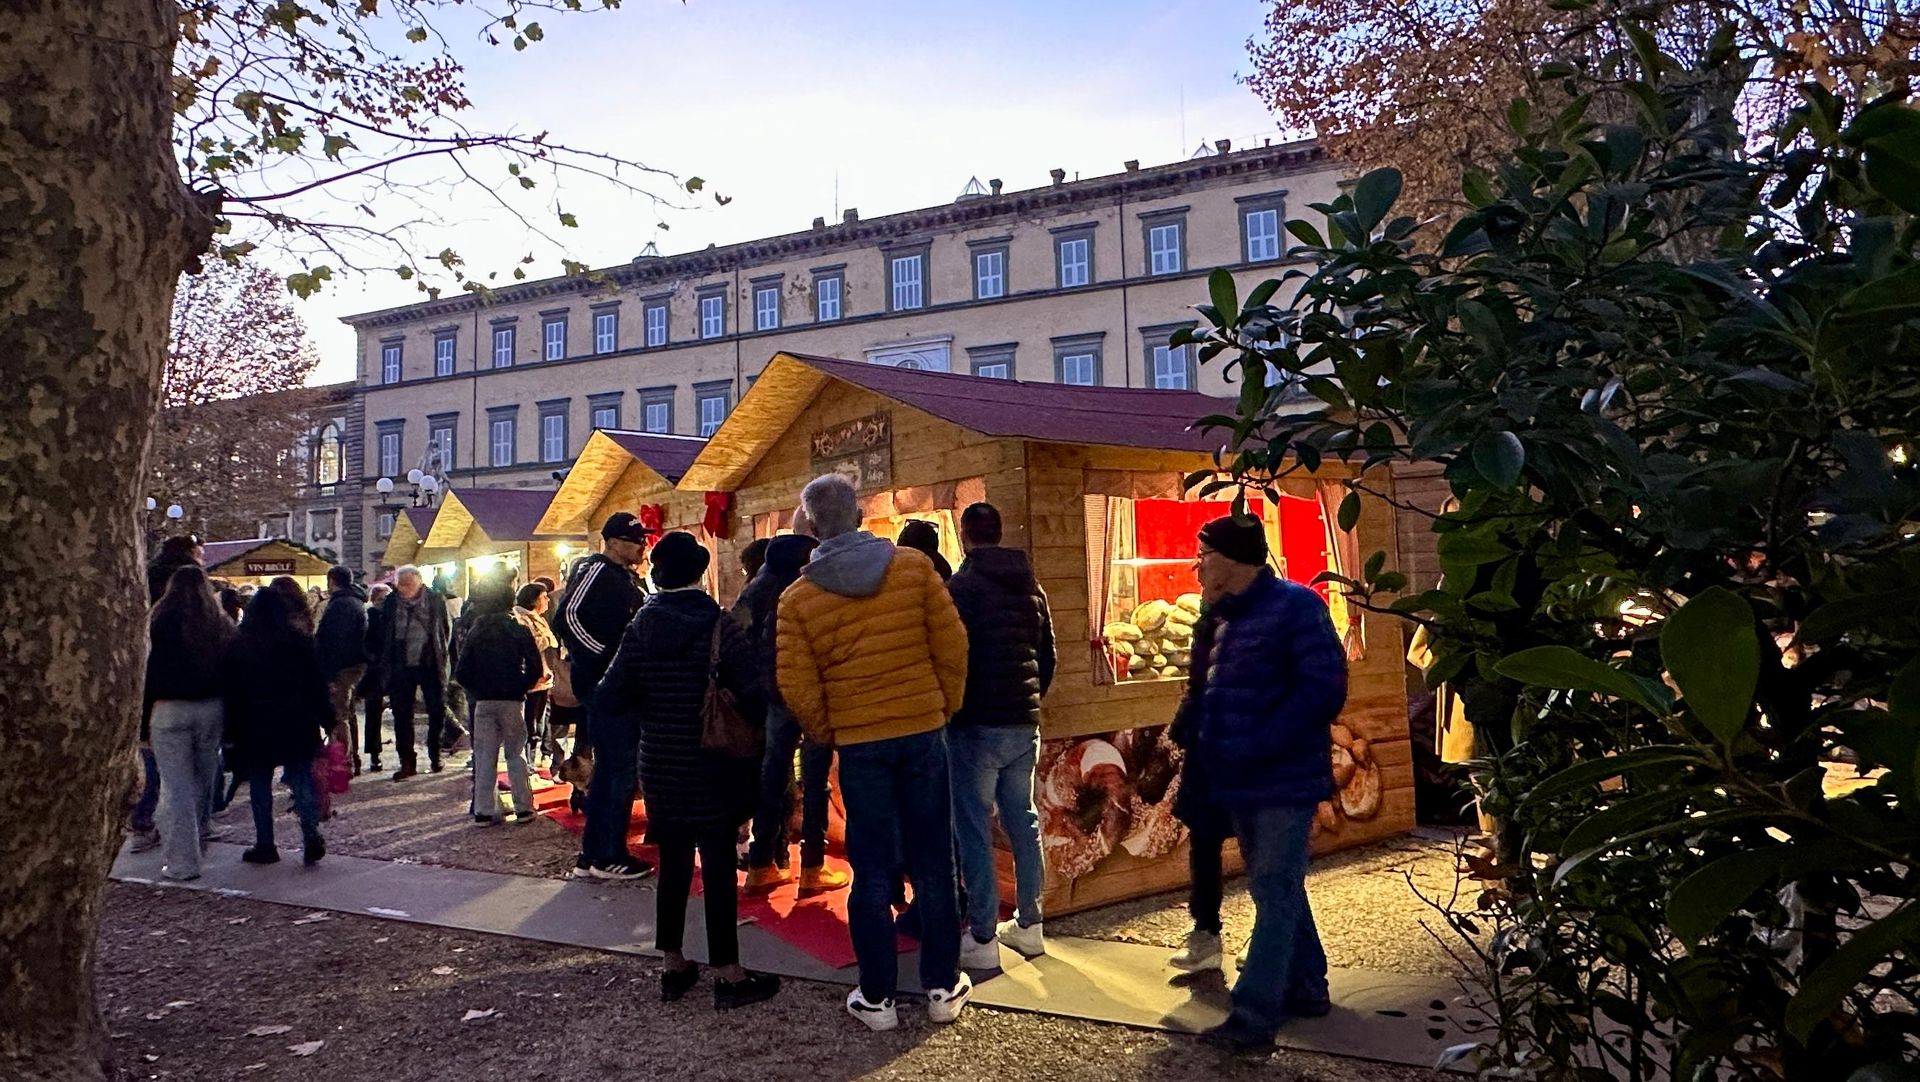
475 1015
269 1031
307 1048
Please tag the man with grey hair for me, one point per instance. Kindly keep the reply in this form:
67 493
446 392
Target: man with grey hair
414 654
871 657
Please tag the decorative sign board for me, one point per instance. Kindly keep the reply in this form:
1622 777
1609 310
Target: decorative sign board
860 450
267 567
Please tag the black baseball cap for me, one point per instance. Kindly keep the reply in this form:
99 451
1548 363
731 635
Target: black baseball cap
622 525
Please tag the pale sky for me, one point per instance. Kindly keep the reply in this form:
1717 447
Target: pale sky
770 101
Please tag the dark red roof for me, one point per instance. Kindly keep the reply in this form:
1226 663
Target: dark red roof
1052 412
506 514
422 519
215 553
668 456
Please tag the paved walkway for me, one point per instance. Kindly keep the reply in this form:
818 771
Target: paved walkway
1380 1016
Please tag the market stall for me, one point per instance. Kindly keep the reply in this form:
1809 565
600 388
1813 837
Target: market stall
635 472
258 561
485 530
1090 482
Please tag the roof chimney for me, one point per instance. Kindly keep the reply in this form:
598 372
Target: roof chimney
1223 145
1133 165
995 185
1059 176
819 223
851 214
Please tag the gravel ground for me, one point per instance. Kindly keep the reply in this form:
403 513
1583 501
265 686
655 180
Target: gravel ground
188 980
1369 917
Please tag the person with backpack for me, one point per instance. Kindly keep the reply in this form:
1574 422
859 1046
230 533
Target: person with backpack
675 661
499 664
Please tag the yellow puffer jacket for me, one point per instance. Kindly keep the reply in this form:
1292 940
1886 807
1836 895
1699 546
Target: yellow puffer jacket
868 645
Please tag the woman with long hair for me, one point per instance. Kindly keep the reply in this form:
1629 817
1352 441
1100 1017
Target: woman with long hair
182 709
530 608
696 798
277 714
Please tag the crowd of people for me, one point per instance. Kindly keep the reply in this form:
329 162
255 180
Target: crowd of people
924 681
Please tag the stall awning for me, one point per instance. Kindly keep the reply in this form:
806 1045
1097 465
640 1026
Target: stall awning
507 515
1010 409
261 556
603 461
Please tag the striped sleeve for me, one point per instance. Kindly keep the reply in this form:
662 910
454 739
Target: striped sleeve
576 595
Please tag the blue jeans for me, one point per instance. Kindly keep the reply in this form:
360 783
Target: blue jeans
898 789
306 802
776 781
993 765
1285 963
143 809
616 750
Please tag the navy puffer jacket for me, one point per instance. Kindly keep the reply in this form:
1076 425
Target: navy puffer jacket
659 676
1276 680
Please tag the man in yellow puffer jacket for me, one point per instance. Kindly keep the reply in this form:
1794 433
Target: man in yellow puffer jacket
871 657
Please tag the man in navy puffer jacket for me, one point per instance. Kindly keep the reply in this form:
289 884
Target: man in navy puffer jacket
1276 679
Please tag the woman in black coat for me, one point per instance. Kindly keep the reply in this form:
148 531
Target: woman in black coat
277 715
696 799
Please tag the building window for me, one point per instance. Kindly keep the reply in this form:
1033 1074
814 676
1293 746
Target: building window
1165 235
503 346
606 330
656 410
989 273
385 528
766 307
605 409
907 272
553 436
500 439
390 362
713 315
656 321
443 353
1073 256
553 336
326 464
440 432
827 289
1076 359
992 362
1261 222
389 448
712 401
1169 367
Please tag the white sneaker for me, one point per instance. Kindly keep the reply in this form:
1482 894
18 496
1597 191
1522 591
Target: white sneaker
1201 953
943 1005
977 955
1030 941
878 1017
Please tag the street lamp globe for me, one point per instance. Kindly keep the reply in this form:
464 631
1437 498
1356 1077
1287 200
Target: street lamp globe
383 486
430 484
152 503
413 477
176 512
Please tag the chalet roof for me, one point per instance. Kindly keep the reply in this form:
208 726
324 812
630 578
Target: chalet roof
1010 409
609 453
503 514
225 558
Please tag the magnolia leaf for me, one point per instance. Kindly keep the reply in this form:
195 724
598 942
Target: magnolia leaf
1820 995
1499 456
1373 197
1222 291
1349 513
1564 668
1713 653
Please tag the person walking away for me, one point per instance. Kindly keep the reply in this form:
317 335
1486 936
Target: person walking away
231 604
182 550
530 608
754 556
1208 825
277 715
994 738
1277 678
767 855
341 638
372 690
924 537
601 601
872 658
697 798
176 552
414 654
189 636
499 665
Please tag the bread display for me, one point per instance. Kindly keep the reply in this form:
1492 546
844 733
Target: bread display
1357 788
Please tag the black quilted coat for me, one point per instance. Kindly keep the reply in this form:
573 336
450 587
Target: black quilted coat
659 675
1010 653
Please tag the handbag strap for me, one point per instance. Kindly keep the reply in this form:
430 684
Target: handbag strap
713 654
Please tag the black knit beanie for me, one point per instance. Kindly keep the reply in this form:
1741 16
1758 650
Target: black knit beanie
1243 543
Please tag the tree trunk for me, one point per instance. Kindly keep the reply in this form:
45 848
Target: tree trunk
95 226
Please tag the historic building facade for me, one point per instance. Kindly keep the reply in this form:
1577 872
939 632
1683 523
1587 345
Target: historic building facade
1078 281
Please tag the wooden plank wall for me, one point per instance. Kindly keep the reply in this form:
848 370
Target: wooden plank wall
1422 485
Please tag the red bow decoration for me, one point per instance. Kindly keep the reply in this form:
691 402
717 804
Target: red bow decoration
718 522
653 517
